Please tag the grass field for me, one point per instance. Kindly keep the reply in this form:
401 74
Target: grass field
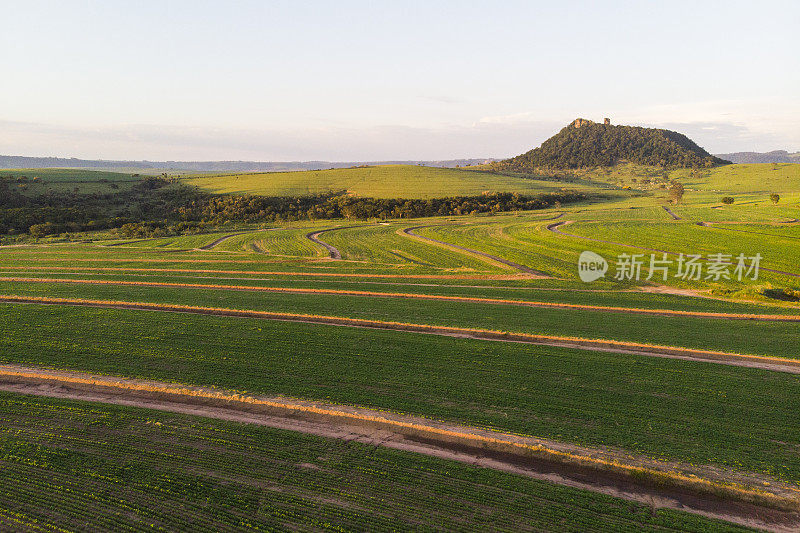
38 181
709 185
388 181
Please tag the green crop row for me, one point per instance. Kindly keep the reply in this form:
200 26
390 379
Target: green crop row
741 336
76 465
736 417
540 290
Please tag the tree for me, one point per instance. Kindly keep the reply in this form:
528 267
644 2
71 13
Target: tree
775 198
676 192
727 200
40 230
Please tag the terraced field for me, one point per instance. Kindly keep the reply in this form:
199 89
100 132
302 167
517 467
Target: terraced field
475 322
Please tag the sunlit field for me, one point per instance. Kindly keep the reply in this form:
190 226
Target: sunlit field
265 309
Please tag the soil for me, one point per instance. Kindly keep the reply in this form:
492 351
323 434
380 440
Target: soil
212 245
670 213
334 253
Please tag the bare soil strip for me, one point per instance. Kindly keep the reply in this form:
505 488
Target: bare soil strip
314 237
748 499
492 277
123 243
670 213
555 228
382 294
334 253
224 238
778 364
522 268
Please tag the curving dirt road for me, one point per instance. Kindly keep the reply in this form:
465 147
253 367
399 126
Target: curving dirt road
224 238
522 268
747 499
777 364
334 253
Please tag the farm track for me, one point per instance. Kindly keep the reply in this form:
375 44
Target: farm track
671 213
128 242
382 294
334 252
555 229
522 268
747 499
212 245
777 364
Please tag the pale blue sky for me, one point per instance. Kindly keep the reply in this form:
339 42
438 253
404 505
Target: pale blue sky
348 80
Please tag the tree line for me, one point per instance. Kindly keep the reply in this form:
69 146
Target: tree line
159 207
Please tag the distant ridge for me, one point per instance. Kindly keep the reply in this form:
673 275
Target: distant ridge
775 156
585 144
15 161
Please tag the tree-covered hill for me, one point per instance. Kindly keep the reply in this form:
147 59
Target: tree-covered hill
585 144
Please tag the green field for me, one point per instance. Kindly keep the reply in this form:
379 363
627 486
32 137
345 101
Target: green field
751 182
776 339
387 181
731 418
578 396
39 181
77 466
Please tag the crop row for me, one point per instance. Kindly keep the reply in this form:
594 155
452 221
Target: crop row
777 339
695 412
133 469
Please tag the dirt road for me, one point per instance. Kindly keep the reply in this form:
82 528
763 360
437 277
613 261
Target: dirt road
522 268
747 499
224 238
334 253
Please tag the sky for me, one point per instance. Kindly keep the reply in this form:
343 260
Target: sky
346 80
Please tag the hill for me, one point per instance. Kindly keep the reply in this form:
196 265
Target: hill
386 181
775 156
586 144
